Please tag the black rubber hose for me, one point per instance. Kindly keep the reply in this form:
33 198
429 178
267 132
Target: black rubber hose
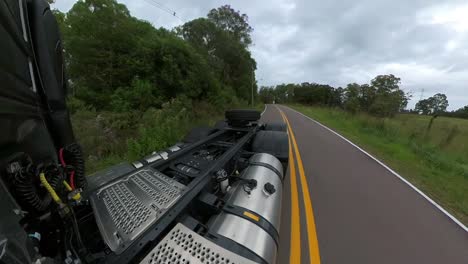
74 157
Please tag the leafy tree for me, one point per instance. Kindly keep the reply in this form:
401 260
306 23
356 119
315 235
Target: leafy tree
179 69
434 105
404 99
290 88
352 101
462 112
367 95
439 103
107 49
60 17
388 105
423 107
314 93
389 99
231 21
221 39
284 92
386 83
336 97
101 54
267 94
141 95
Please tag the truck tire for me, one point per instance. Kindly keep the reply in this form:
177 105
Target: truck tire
272 142
221 125
276 126
241 117
198 133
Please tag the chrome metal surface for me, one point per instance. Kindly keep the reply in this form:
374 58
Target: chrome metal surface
247 234
153 157
271 160
174 148
268 206
182 245
126 208
137 164
223 185
163 154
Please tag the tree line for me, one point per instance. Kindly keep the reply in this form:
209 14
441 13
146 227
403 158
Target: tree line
116 62
381 97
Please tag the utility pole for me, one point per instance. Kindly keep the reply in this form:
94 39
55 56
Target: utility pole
252 83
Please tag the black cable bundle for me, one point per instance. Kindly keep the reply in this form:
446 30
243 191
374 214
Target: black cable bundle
74 157
26 185
27 192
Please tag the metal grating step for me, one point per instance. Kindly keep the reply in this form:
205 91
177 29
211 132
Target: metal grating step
127 207
183 246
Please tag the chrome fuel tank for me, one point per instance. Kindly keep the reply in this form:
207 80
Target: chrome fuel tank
252 213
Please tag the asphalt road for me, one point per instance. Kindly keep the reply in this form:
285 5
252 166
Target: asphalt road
362 213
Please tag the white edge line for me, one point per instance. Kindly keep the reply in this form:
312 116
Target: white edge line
392 171
264 109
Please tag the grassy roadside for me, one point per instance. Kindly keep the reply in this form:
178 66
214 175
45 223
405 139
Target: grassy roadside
109 138
435 159
260 107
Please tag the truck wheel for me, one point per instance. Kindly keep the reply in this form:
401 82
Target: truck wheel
272 142
276 126
198 133
241 117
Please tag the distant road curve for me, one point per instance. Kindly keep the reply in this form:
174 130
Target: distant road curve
363 212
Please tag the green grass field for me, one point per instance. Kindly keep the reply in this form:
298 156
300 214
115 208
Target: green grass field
435 159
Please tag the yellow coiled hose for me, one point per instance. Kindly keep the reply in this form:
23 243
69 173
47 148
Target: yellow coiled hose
49 188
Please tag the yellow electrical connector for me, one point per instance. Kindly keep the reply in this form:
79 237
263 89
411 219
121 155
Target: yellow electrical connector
75 197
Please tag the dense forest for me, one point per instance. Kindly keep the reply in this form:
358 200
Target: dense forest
135 88
382 97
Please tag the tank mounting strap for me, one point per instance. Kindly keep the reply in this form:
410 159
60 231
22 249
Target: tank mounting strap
268 166
254 218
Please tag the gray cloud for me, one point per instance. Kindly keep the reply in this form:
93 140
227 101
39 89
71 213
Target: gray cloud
339 41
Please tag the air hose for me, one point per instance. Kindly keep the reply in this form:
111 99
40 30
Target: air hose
49 188
73 155
25 176
28 192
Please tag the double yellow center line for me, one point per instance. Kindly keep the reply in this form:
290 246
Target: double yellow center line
295 250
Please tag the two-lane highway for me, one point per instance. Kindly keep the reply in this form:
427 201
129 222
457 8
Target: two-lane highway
342 206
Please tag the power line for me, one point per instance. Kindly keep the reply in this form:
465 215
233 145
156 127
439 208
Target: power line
164 8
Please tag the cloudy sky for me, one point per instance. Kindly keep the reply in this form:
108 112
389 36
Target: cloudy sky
336 42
